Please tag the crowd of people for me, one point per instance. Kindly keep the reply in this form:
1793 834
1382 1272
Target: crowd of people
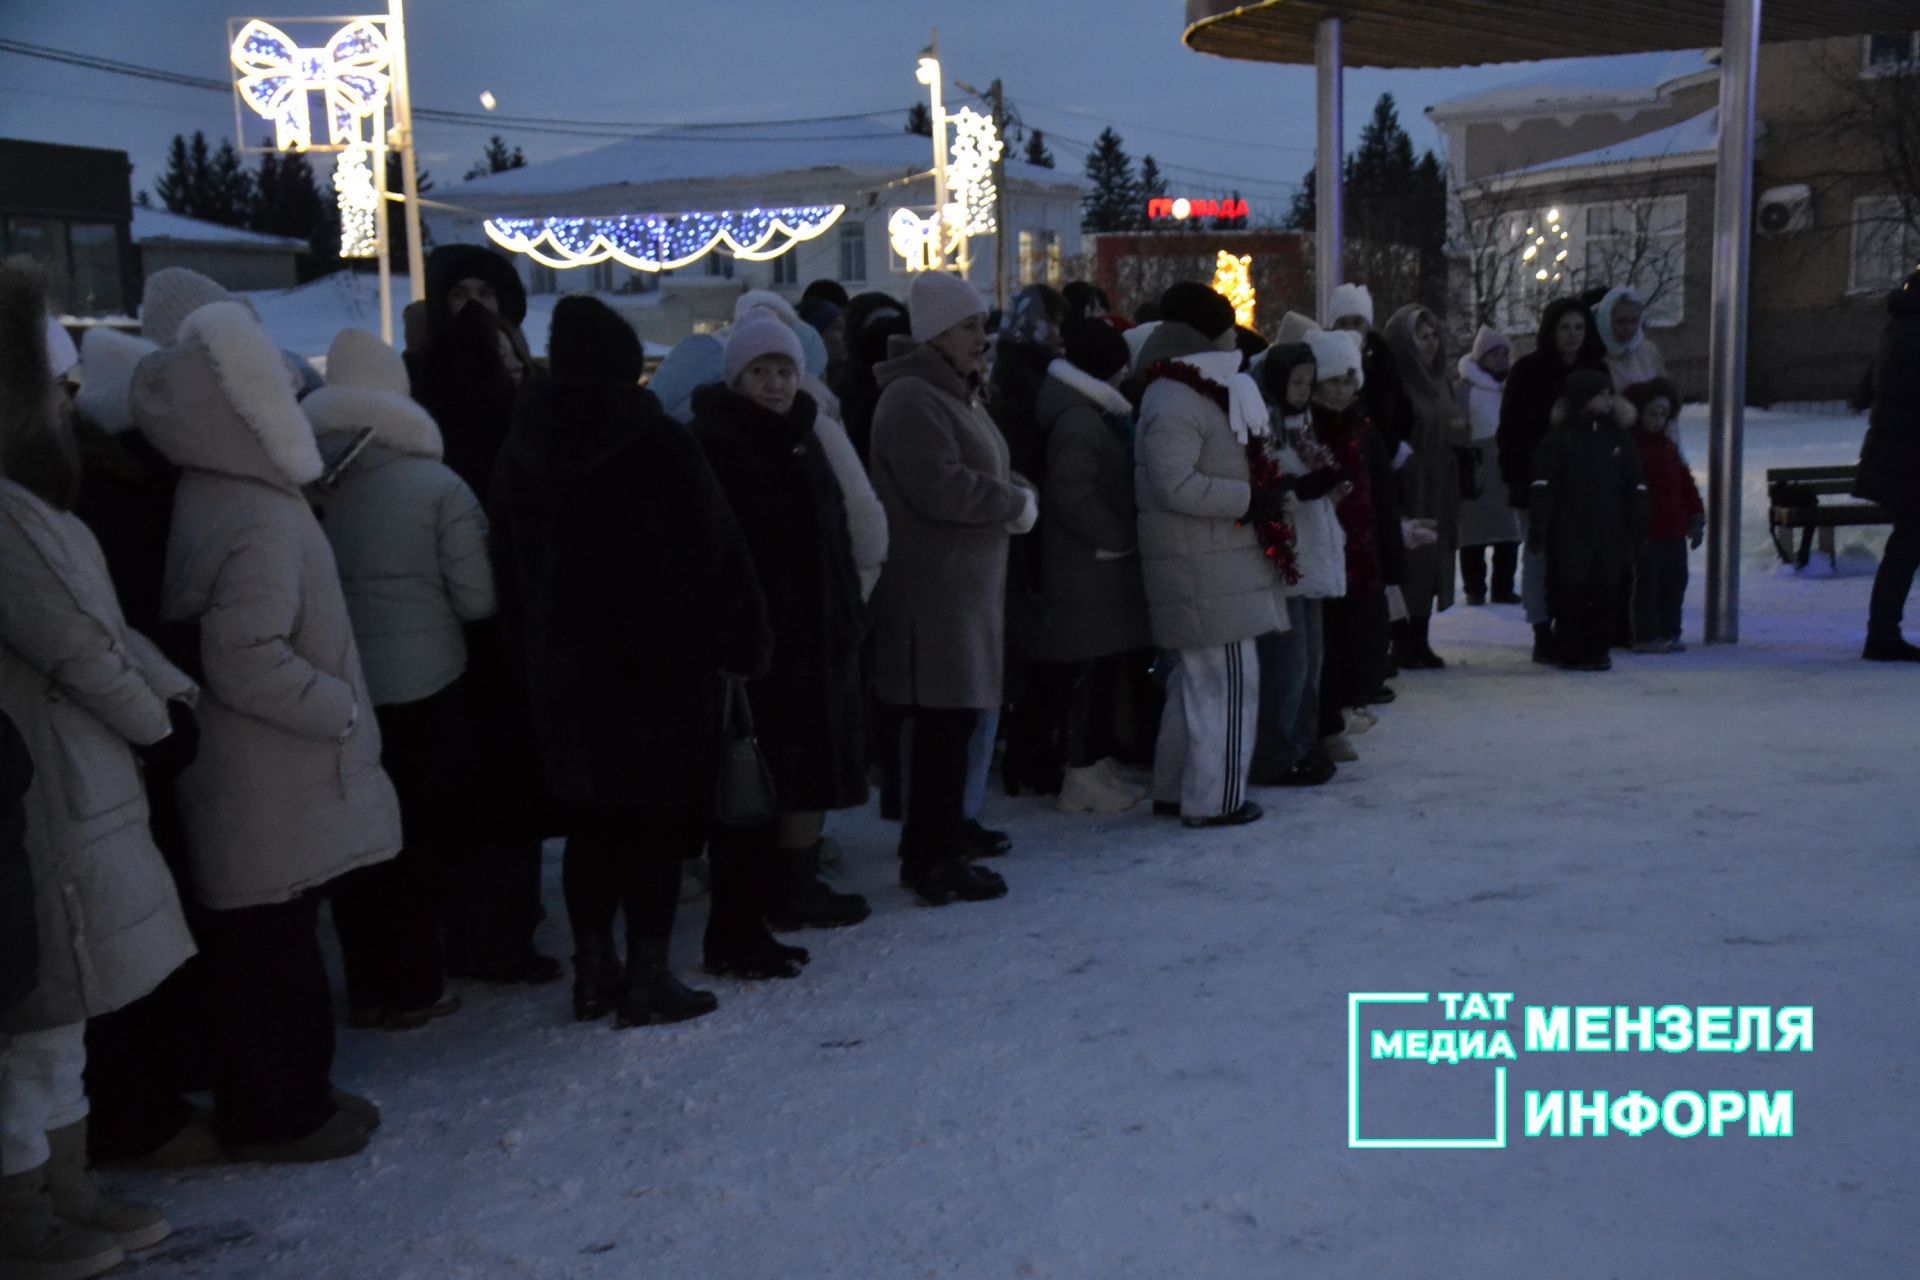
271 640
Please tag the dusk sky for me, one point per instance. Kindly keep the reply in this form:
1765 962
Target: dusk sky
1069 66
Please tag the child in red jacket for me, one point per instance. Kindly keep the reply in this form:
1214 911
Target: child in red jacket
1675 521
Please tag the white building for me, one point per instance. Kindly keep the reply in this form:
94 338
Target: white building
862 167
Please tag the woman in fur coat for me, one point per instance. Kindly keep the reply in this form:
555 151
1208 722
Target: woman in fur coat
87 694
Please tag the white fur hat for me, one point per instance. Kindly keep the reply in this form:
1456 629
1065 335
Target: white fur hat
939 300
1336 351
107 360
767 299
359 359
1351 300
756 336
170 296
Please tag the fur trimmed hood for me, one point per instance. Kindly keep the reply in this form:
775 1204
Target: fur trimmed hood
367 387
1105 397
107 361
221 399
1473 374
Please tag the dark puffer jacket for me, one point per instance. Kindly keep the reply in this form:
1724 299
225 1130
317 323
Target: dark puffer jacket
627 586
1589 496
1526 409
1890 454
809 708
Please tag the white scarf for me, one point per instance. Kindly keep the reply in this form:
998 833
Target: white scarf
1246 409
1104 395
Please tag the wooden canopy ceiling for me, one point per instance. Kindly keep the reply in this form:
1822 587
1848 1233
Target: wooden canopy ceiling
1458 33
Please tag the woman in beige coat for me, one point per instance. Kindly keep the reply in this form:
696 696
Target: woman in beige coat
287 793
85 693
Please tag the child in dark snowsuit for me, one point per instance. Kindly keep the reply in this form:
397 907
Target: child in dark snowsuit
1675 519
1588 512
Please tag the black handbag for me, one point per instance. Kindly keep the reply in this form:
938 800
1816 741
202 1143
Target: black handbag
743 792
1468 460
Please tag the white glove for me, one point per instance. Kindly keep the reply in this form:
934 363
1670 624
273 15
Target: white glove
1396 604
1419 532
1029 514
1401 455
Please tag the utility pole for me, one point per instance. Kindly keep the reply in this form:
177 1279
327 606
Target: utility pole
1000 231
403 141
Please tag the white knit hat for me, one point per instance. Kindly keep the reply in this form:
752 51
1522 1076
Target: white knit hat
767 299
359 359
1336 351
940 300
1351 300
759 335
107 361
170 296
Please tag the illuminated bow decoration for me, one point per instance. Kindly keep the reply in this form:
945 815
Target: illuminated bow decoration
350 71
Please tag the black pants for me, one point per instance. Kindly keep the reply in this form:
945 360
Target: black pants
143 1056
626 860
1659 588
1353 661
1096 695
1894 580
1035 726
1583 619
1473 568
273 1024
936 780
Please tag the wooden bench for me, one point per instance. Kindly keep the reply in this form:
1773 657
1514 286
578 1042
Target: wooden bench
1794 498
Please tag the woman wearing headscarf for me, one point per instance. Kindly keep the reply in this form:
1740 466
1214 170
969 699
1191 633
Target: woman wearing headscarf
1632 358
1430 480
1487 520
629 595
952 502
100 913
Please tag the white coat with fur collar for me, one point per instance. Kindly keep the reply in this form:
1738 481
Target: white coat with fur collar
287 793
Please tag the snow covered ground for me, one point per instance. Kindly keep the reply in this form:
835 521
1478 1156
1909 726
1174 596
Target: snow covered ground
1136 1064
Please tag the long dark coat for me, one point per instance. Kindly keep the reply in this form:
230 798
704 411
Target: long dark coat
809 708
627 586
1590 496
1890 453
1095 606
1533 387
19 934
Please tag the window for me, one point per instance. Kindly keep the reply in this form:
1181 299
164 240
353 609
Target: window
786 268
1564 249
1886 245
719 266
600 277
84 257
853 252
1039 258
543 279
1891 54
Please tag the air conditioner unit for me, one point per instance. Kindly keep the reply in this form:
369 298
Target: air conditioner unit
1784 209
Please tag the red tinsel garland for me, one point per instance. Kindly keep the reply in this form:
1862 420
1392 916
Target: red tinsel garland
1276 536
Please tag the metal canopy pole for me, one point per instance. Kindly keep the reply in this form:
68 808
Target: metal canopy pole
1727 367
1328 166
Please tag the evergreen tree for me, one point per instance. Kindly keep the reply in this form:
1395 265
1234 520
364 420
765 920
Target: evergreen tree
920 119
1037 152
1153 183
286 197
229 189
211 185
1114 202
497 158
1238 223
175 187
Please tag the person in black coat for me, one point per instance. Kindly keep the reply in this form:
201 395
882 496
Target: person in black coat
19 930
1566 341
465 369
1889 472
809 709
870 320
628 592
1588 510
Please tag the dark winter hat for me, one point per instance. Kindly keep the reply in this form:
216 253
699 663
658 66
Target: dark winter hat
1249 342
1094 347
1582 386
449 264
1195 305
1279 365
1642 394
1083 297
818 312
588 339
825 290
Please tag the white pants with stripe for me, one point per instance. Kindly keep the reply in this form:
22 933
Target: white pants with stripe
40 1090
1207 730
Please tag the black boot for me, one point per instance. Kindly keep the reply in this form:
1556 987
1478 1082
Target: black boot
652 993
805 901
985 842
737 943
941 873
1420 654
1543 644
1881 647
596 976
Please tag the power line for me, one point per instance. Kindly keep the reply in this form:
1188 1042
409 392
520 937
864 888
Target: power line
1295 148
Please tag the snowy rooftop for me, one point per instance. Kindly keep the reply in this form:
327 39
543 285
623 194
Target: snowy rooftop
157 225
1580 82
1696 138
877 147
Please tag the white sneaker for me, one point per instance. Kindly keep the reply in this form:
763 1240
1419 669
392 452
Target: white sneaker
1338 749
1129 779
1091 790
1359 719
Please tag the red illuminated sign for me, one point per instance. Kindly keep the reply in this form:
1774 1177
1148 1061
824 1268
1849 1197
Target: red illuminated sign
1181 208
